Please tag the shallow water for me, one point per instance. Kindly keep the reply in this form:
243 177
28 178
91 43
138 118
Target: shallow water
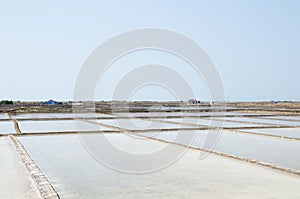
58 126
7 127
180 114
266 121
138 124
296 118
3 116
286 132
284 153
161 114
212 123
15 181
59 115
75 174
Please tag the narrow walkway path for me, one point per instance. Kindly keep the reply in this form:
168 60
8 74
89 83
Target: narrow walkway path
43 185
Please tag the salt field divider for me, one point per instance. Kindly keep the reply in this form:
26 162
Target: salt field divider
16 125
64 133
43 185
17 128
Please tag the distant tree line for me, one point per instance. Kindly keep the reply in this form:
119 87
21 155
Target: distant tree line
6 102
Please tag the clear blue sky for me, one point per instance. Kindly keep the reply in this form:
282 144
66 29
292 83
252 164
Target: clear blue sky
254 44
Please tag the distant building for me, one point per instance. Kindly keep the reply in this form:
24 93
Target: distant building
274 102
193 101
52 102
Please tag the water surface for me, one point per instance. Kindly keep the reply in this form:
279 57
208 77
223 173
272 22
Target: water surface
139 124
280 152
75 174
265 121
7 127
286 132
58 126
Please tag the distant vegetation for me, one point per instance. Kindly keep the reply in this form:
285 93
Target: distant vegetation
6 102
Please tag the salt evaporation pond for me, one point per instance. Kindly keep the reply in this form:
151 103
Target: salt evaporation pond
15 180
58 115
7 127
158 114
179 114
280 152
75 174
58 126
265 121
3 116
212 123
138 124
291 118
285 132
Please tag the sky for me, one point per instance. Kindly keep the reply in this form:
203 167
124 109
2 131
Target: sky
254 45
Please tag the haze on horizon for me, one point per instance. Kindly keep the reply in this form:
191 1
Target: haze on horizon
255 45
